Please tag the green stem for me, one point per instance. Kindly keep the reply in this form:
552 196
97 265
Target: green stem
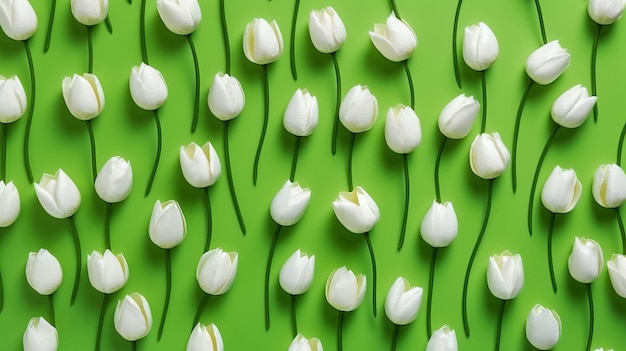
410 80
133 345
107 22
594 54
350 152
168 291
157 122
231 183
294 161
533 187
294 20
107 225
394 337
455 59
550 262
257 157
499 330
437 164
543 28
620 145
51 309
92 142
473 256
591 317
407 192
620 223
225 35
431 288
1 293
337 102
483 80
196 66
46 46
340 331
78 258
3 156
366 235
29 118
103 307
394 8
89 49
196 318
209 218
267 276
142 32
518 120
294 321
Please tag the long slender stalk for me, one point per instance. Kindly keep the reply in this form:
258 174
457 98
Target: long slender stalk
533 187
337 102
550 263
473 256
142 32
294 20
267 276
78 258
499 330
133 345
231 183
366 235
196 65
294 161
257 157
594 54
89 49
541 25
518 120
407 192
294 321
483 80
3 156
350 152
29 118
92 143
103 307
394 337
46 45
455 59
431 288
591 317
51 309
168 291
340 331
394 8
107 22
410 81
437 164
209 218
620 223
620 145
1 293
157 157
196 318
225 34
107 225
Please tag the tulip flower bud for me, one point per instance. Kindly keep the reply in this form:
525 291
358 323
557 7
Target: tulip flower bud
457 117
132 318
609 186
147 87
439 226
115 180
395 40
18 19
543 327
83 96
12 99
216 271
605 11
9 204
181 17
90 12
300 343
327 30
40 336
489 157
302 114
356 210
358 110
403 131
167 224
561 190
480 47
43 272
505 275
262 41
344 290
547 63
403 302
107 272
296 275
205 338
200 165
443 339
586 260
289 204
617 273
58 195
226 98
571 109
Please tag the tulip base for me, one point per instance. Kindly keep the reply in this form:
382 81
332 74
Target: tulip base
337 103
266 118
518 120
196 105
533 187
29 118
78 255
196 318
231 183
550 263
366 235
105 298
541 25
455 58
168 292
157 122
46 45
267 276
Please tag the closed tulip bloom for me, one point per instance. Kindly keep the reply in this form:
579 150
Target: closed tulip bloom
132 318
489 157
300 343
205 338
296 275
167 224
439 226
480 47
543 327
609 186
289 204
403 131
586 260
345 290
302 114
327 30
147 87
403 302
561 190
356 210
18 19
83 96
443 339
107 272
605 11
262 41
9 203
571 109
617 273
43 272
40 336
216 271
200 165
547 63
58 195
90 12
457 117
505 275
358 110
12 99
115 180
395 39
181 17
226 98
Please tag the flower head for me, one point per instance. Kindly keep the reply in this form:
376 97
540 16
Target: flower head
356 210
395 39
147 87
480 47
403 302
547 63
489 157
403 130
226 98
18 19
12 99
561 190
262 41
181 17
83 96
345 290
327 30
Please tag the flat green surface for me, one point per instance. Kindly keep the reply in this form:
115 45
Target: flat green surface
61 141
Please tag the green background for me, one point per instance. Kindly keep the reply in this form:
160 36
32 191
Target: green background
60 141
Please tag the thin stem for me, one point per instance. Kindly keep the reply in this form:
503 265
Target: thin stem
594 54
455 58
543 28
533 187
209 218
366 235
51 309
437 164
29 118
133 345
550 263
293 39
337 102
107 22
231 183
89 49
294 321
168 291
410 80
294 161
142 32
473 256
407 192
196 66
225 35
483 126
157 122
394 8
431 288
107 225
340 331
92 142
620 145
591 317
499 330
518 120
1 293
78 257
255 169
267 276
3 156
620 223
103 307
53 5
196 318
394 337
350 151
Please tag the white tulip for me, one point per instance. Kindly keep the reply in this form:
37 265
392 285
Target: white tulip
480 47
43 272
296 275
403 131
356 210
9 203
90 12
115 180
505 275
571 108
543 327
133 318
395 40
200 165
457 117
439 226
181 17
602 349
18 19
586 260
107 272
205 338
609 186
403 302
561 190
12 99
147 87
302 114
40 336
167 224
489 157
289 204
547 63
327 30
605 12
58 195
83 96
216 271
443 339
262 41
344 290
300 343
358 110
226 98
617 273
